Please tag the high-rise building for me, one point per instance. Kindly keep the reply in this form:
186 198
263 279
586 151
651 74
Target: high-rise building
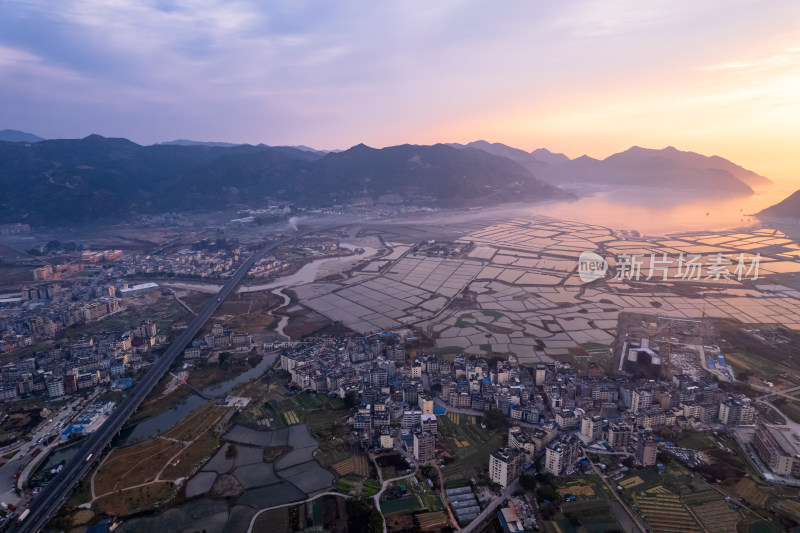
541 374
424 446
592 426
425 403
505 465
520 441
736 413
641 399
646 450
428 423
619 435
560 454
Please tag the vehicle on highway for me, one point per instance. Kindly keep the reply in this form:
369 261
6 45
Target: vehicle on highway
23 516
89 457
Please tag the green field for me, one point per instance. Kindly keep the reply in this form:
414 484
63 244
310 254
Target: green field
407 503
469 446
679 500
356 485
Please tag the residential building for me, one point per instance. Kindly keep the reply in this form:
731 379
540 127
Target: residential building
424 446
521 441
593 426
646 450
560 454
619 435
505 465
778 449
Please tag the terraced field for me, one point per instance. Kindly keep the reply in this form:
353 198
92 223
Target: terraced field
665 512
717 516
750 491
356 464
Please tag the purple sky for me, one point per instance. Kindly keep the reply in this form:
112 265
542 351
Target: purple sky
578 77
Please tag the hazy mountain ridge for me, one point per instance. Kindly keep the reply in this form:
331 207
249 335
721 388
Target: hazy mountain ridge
19 136
787 208
187 142
668 168
79 180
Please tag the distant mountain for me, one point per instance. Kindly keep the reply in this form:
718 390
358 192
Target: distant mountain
551 158
641 167
309 149
187 142
788 208
441 172
98 178
702 162
534 165
16 136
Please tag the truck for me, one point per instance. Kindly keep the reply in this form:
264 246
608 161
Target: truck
36 452
89 457
23 516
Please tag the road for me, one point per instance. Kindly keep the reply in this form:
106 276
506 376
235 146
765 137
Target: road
506 494
57 492
788 422
384 486
635 520
785 392
24 450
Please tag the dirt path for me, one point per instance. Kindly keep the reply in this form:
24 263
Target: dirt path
444 498
157 478
291 504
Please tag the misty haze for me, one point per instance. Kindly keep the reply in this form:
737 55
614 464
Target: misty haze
389 268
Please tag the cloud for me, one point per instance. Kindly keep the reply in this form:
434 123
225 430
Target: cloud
333 74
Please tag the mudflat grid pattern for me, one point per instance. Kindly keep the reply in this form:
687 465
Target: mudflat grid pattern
538 235
290 478
204 514
414 289
547 311
441 276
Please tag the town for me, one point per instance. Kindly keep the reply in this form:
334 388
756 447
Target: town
449 382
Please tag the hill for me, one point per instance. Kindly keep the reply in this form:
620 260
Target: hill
187 142
97 178
788 208
18 136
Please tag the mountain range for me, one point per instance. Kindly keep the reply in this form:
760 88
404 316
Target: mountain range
669 168
95 178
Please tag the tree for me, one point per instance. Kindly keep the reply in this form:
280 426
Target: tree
351 399
224 357
231 452
495 419
527 482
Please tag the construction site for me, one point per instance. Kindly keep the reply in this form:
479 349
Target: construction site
653 346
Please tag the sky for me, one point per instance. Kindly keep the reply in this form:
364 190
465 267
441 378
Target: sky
579 77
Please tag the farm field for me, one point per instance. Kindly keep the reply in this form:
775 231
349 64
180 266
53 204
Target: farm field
679 502
356 485
468 445
276 520
591 516
131 476
588 487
